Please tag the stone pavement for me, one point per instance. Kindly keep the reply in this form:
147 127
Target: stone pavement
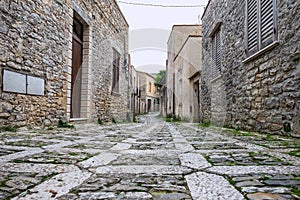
150 160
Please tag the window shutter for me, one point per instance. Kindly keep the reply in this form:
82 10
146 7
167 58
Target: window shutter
267 22
216 53
252 26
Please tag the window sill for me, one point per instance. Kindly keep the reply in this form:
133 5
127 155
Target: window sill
215 79
267 48
115 93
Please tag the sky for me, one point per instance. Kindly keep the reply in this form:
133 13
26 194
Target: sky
149 29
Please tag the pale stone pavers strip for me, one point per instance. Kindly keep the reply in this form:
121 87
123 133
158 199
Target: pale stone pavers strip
120 146
61 183
74 150
111 195
210 186
230 170
152 152
184 147
206 151
142 169
97 195
274 190
137 126
20 154
194 160
180 142
102 159
37 168
18 148
60 145
251 146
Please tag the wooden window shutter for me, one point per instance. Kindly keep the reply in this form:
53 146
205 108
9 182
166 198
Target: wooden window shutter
216 53
261 24
252 26
267 22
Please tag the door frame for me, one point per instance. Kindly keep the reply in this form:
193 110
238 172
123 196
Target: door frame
86 74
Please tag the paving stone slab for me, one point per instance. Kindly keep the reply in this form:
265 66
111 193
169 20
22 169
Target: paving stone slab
37 168
140 169
234 170
210 186
102 159
57 186
194 160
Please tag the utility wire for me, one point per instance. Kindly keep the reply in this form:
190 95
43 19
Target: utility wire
161 5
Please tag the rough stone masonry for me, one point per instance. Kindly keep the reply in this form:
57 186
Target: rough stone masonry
36 61
258 92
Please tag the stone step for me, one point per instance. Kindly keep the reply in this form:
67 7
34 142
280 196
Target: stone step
78 120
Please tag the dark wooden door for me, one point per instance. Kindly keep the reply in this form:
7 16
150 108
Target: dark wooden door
196 102
149 105
76 77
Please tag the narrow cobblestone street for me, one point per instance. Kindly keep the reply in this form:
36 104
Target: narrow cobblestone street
148 160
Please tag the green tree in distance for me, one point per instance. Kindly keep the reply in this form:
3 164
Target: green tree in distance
160 75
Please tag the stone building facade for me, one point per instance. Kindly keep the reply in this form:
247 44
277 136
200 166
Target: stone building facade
251 65
62 59
187 64
149 94
183 72
134 85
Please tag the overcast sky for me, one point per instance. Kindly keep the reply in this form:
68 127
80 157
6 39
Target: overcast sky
149 29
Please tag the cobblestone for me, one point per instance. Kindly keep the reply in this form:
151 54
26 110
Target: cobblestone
152 160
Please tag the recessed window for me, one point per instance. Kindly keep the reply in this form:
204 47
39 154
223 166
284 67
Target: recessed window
216 53
261 28
116 71
149 87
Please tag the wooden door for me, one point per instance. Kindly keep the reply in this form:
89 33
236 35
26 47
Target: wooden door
76 77
149 105
196 105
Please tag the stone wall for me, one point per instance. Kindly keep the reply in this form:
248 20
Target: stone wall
36 40
261 94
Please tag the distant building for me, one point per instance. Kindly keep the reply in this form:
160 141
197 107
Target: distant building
251 62
62 59
162 88
134 85
183 72
149 93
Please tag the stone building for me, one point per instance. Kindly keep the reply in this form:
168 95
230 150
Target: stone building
149 94
183 72
62 59
162 90
134 90
251 65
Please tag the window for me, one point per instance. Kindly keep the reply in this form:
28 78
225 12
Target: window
216 53
261 29
116 68
149 87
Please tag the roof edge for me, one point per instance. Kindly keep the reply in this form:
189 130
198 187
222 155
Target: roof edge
115 1
187 39
181 25
208 3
